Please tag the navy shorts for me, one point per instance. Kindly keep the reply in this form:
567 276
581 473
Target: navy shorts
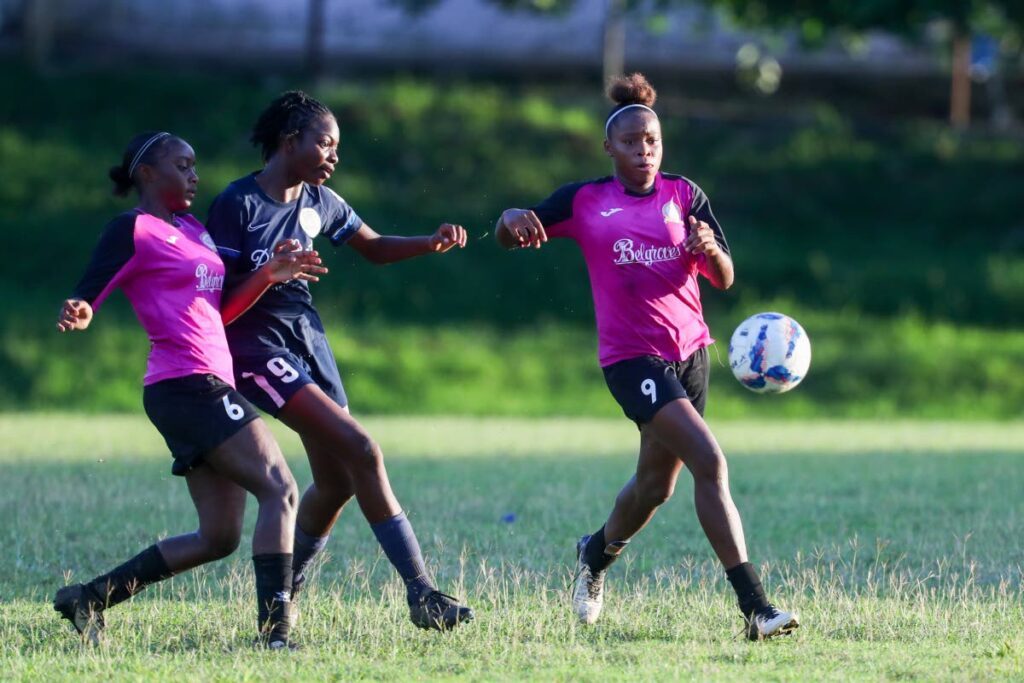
195 414
643 385
271 378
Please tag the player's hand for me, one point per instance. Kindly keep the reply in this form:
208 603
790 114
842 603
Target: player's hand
75 314
701 238
524 227
448 236
291 262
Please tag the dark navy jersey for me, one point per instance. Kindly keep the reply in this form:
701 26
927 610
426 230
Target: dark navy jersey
246 223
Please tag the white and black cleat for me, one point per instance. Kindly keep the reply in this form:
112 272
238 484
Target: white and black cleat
770 622
588 587
76 604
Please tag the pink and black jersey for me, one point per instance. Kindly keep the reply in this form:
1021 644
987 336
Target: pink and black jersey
644 283
173 278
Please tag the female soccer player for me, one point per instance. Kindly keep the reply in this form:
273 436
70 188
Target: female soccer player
167 265
646 235
283 362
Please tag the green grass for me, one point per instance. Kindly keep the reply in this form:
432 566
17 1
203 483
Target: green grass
899 544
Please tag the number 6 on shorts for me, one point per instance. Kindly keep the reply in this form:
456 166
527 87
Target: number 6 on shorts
649 388
233 410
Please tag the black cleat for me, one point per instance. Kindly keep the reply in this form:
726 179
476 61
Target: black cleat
439 611
76 604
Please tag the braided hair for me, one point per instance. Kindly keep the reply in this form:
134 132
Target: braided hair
287 116
123 174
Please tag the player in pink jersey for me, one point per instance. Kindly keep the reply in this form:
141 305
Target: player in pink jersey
646 236
167 265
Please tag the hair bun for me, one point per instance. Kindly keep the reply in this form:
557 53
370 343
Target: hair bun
632 89
122 182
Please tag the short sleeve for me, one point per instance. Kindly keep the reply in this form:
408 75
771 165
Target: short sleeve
110 262
342 220
226 222
555 213
700 208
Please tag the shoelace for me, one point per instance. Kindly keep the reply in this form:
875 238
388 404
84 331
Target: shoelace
437 597
595 584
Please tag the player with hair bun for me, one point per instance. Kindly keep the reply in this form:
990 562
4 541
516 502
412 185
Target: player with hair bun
167 265
646 236
283 361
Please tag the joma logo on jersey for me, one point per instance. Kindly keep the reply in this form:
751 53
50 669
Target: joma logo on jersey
207 281
627 253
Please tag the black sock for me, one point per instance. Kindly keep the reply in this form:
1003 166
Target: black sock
398 541
124 581
273 593
307 547
747 585
599 553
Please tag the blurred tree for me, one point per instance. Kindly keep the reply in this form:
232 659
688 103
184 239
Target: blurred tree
814 18
613 41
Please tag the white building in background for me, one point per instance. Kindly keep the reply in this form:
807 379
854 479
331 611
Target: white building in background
461 34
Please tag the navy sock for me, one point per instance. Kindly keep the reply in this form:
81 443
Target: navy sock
747 584
306 549
599 553
399 543
124 581
273 593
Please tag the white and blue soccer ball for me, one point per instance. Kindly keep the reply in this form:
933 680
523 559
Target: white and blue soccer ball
769 353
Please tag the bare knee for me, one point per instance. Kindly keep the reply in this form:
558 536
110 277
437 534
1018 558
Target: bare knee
220 542
655 491
709 467
363 455
278 486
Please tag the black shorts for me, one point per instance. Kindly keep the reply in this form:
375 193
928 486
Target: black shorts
643 385
271 380
195 414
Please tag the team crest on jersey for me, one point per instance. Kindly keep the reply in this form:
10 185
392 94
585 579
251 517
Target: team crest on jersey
309 221
208 241
672 212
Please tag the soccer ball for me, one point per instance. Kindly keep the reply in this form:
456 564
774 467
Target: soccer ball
769 353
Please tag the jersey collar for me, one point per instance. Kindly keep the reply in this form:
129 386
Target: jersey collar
653 191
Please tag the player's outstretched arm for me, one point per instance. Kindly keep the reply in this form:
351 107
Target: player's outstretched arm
290 262
381 249
717 266
75 314
520 228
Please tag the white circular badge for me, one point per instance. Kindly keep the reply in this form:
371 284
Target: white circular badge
208 241
309 221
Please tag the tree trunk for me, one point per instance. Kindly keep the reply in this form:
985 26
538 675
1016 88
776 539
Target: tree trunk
960 87
315 38
614 45
40 20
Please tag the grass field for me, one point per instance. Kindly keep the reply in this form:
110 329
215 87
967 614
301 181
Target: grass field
899 544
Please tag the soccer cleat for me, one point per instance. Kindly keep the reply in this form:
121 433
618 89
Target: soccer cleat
76 604
588 587
770 621
276 644
439 611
